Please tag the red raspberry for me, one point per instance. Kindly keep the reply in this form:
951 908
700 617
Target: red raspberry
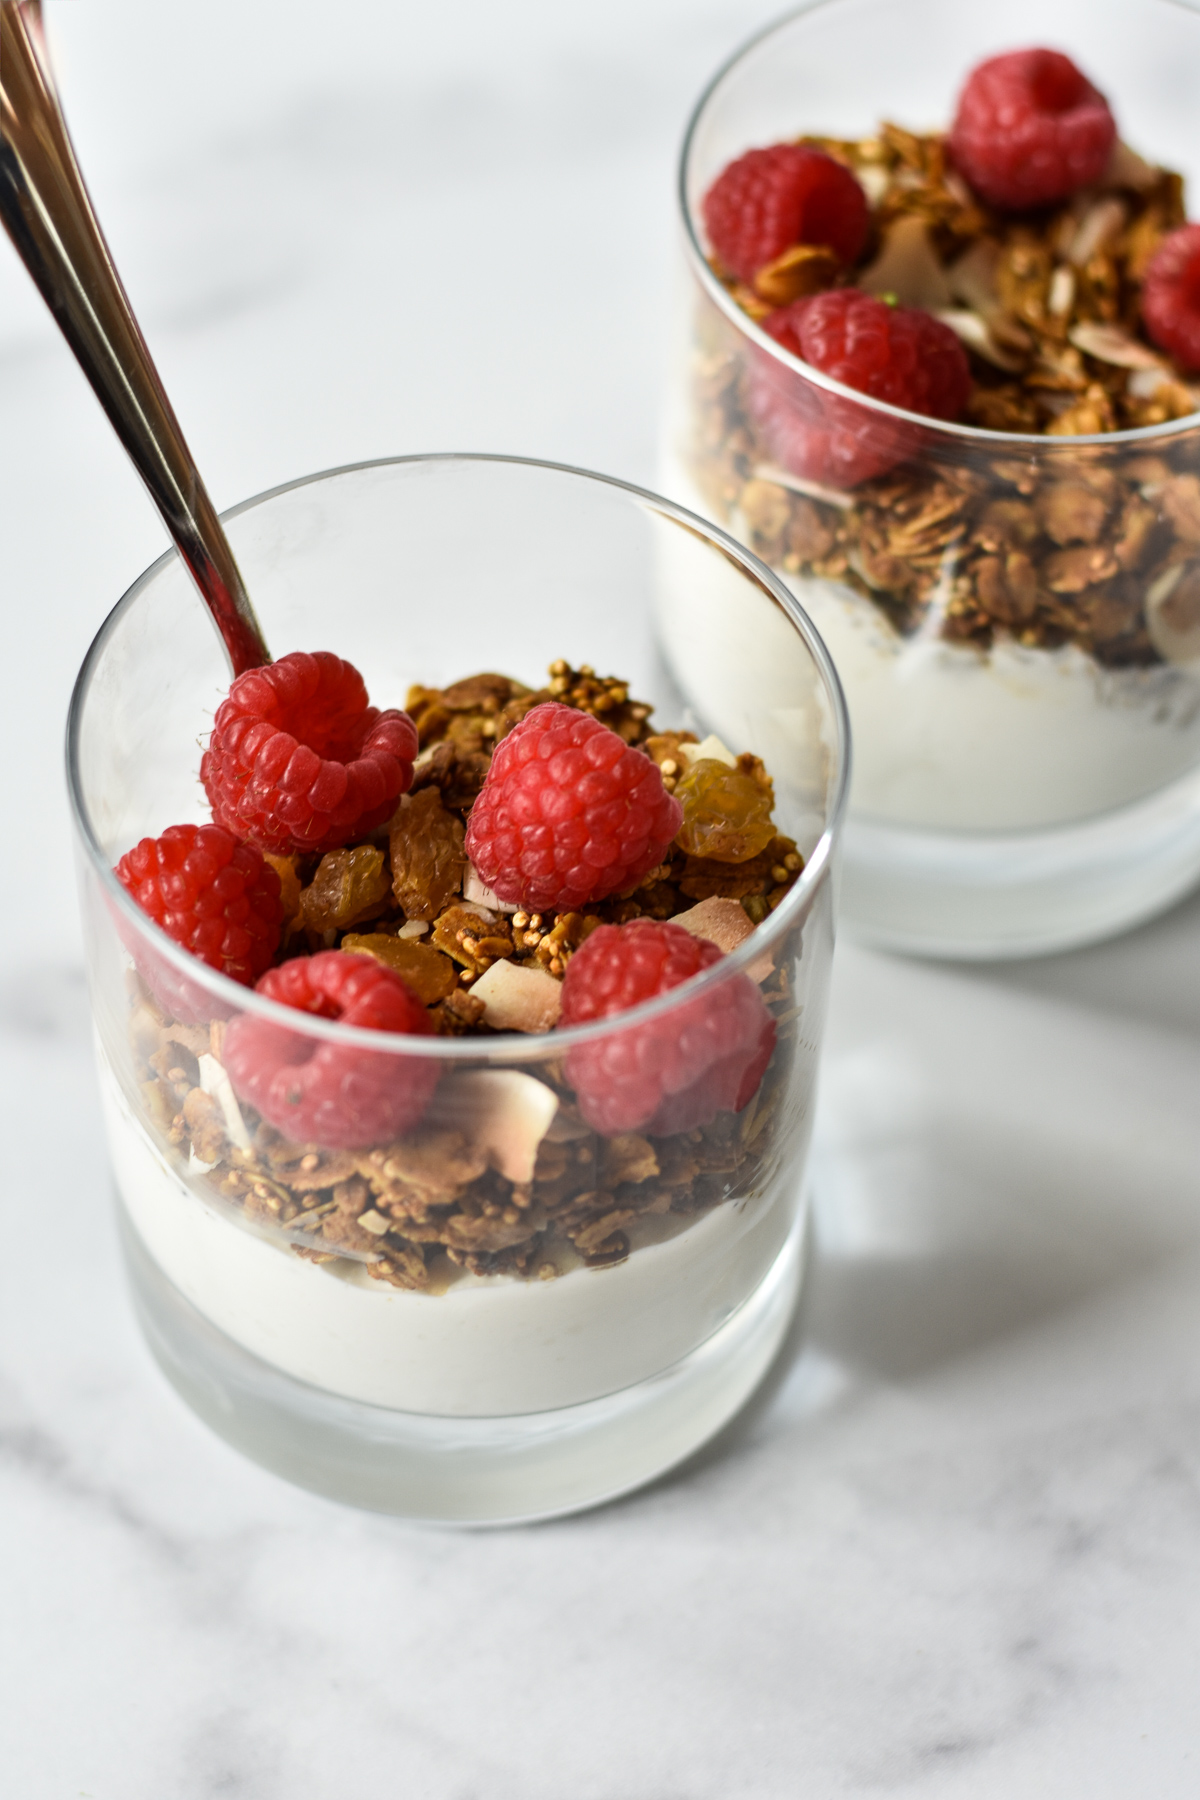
674 1073
1030 129
298 760
335 1095
788 194
569 813
216 897
1171 297
894 353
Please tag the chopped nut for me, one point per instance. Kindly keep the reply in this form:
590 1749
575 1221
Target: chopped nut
803 269
374 1222
427 972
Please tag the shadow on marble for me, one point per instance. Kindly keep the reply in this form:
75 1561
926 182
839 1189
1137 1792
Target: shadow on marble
1151 974
981 1237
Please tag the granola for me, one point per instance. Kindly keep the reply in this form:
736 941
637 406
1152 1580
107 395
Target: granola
1095 546
503 1176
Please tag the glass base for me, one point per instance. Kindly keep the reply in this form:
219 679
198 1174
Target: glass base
495 1471
1009 894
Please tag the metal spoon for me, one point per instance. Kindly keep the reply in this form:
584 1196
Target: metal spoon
49 217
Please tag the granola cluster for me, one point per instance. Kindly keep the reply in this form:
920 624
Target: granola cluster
503 1176
1093 546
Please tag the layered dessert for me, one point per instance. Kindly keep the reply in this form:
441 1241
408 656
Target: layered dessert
1011 591
453 1207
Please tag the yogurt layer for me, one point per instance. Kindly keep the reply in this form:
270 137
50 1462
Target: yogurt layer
486 1347
1007 739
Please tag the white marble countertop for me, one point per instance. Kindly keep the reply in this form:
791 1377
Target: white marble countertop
955 1549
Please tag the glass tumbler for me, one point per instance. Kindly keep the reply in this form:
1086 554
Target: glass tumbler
506 1312
1015 791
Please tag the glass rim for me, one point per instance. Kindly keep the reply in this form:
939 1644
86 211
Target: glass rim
507 1047
1134 436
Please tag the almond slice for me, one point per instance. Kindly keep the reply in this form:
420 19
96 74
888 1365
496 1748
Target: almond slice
972 279
1109 344
216 1082
971 329
1100 222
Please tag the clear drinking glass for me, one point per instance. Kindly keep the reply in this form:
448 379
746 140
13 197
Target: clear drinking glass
1018 797
656 1275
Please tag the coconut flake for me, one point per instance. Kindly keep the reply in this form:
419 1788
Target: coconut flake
1126 169
215 1081
518 998
1172 626
874 180
908 267
477 893
724 923
711 750
505 1113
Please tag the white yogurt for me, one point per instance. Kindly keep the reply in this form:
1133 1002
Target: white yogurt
1008 739
487 1347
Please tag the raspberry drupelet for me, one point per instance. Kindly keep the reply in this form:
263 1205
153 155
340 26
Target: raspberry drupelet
569 813
898 354
670 1074
1171 297
1030 129
335 1095
299 760
216 897
769 200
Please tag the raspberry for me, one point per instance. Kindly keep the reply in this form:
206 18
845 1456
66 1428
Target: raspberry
569 813
788 194
298 760
335 1095
216 897
674 1073
1030 129
1171 297
898 354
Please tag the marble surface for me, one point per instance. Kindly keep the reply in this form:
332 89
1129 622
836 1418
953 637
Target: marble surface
954 1548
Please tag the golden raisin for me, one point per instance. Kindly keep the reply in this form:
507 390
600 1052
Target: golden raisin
726 813
428 860
289 889
348 885
428 973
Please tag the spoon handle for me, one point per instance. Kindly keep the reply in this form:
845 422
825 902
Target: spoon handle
47 213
